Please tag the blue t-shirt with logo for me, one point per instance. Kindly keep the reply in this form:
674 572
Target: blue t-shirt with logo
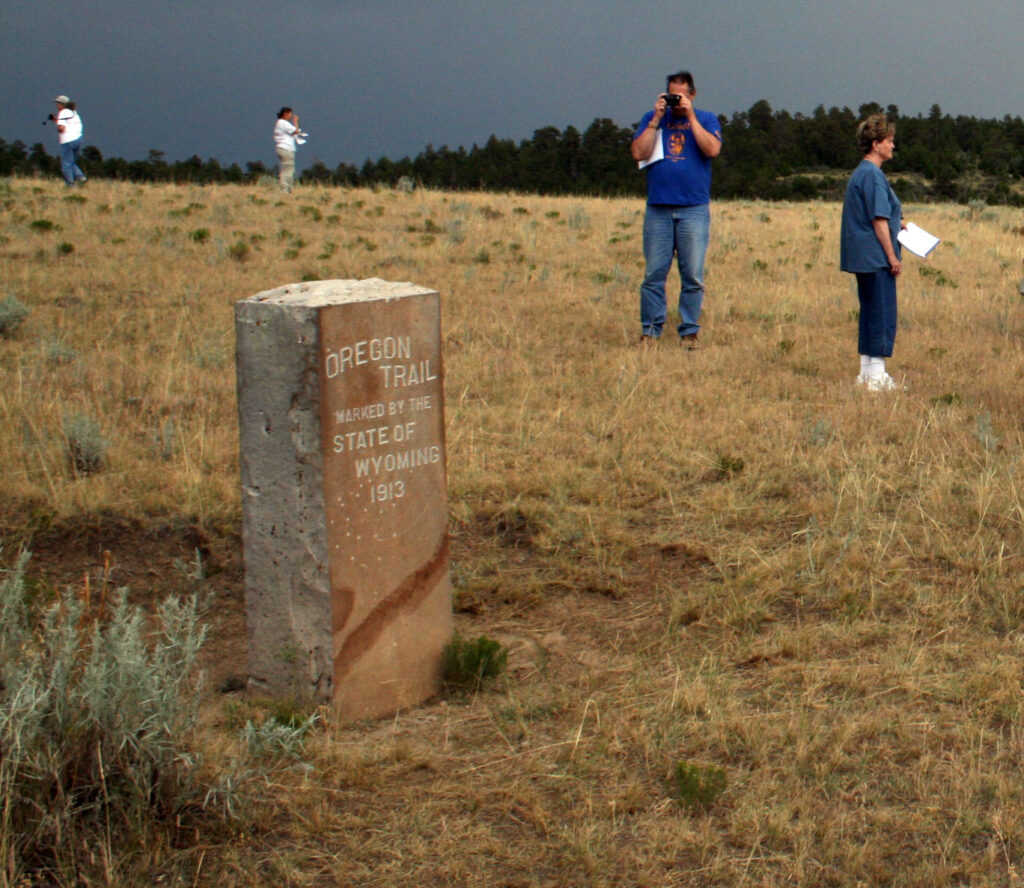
683 178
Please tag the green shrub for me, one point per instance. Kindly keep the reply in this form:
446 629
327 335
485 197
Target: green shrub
97 728
578 219
468 664
12 314
456 231
164 439
697 787
726 466
42 225
985 432
200 235
937 275
84 444
57 351
279 736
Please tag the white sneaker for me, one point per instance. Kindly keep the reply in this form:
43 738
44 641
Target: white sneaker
883 383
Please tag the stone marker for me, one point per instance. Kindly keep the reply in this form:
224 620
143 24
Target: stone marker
341 415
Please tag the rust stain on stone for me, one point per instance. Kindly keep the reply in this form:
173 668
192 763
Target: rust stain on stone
409 594
342 602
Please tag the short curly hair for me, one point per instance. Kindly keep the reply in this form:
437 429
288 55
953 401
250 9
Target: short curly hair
875 128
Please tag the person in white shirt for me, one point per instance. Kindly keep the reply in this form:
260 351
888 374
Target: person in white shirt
69 134
285 131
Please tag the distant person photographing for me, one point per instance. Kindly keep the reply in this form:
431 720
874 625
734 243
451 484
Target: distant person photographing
69 135
676 143
286 136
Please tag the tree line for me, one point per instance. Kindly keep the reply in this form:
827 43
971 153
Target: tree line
766 154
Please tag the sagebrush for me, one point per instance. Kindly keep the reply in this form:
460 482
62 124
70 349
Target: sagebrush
97 725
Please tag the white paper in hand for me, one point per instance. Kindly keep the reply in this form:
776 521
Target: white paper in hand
917 240
657 154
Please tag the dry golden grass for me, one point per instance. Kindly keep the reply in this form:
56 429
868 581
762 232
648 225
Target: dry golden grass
730 558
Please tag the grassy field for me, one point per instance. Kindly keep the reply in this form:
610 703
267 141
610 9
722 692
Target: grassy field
763 628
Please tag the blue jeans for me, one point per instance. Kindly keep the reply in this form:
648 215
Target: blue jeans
69 152
877 327
684 232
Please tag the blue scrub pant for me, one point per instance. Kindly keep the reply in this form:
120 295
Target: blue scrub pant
877 293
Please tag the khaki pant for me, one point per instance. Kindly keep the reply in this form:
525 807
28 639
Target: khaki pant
286 173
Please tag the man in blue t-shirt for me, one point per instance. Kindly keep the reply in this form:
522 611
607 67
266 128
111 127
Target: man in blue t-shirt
678 220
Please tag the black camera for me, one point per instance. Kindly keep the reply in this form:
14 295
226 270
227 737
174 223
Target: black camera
672 99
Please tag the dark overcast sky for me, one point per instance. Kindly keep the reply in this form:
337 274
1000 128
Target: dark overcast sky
373 79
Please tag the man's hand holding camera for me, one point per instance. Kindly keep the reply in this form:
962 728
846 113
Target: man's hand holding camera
660 106
680 102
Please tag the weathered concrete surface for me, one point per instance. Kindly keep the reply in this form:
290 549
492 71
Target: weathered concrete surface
340 396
